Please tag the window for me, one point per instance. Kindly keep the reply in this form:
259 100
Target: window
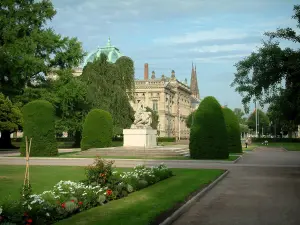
155 105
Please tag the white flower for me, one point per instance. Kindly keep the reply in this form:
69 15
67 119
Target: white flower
47 214
1 210
29 207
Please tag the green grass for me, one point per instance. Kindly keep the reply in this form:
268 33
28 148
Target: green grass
288 146
250 147
144 206
42 178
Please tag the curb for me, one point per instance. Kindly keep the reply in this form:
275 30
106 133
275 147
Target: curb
188 204
238 159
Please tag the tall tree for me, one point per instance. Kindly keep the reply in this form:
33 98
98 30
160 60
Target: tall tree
260 76
263 121
107 85
72 104
10 120
240 115
29 50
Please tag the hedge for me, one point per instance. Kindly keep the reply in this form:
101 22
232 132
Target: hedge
208 136
233 131
97 130
39 124
285 140
166 139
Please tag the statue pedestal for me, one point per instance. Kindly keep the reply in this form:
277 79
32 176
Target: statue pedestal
139 137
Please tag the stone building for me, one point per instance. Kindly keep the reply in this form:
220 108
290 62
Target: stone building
173 100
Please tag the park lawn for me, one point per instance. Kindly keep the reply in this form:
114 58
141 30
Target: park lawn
290 146
144 206
42 178
250 147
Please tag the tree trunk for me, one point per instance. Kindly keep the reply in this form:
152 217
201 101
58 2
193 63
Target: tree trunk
5 141
77 138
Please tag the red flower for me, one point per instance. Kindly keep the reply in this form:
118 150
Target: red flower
72 200
29 221
79 203
109 192
63 205
102 174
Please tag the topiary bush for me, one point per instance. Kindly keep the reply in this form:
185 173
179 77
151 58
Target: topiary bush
208 135
39 124
233 131
97 130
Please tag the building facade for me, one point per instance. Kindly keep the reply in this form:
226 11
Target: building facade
169 97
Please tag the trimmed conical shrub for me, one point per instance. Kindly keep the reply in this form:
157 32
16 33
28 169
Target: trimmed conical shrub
233 131
39 124
97 130
208 136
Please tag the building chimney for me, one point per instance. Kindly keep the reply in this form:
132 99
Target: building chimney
146 71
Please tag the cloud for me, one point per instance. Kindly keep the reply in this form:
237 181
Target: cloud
221 59
226 48
206 35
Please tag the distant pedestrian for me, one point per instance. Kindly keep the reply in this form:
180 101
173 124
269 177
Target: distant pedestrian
246 142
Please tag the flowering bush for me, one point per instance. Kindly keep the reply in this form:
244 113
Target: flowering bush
67 198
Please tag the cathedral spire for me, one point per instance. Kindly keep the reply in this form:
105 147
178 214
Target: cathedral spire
194 83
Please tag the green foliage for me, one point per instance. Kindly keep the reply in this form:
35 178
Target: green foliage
99 172
208 138
10 115
29 48
39 124
240 114
263 121
233 131
190 119
260 75
72 105
97 130
107 84
244 128
155 118
166 139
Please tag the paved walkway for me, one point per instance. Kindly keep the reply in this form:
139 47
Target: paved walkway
266 193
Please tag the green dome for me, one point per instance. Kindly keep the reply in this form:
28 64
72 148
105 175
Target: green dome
109 50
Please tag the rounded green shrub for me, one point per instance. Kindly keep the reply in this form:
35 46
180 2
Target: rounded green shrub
97 130
39 124
233 131
208 136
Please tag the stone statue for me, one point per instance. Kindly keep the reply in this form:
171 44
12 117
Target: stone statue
142 119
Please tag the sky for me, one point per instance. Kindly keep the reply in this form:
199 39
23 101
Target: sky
173 34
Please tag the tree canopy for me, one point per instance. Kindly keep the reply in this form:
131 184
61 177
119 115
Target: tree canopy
10 120
261 75
263 121
29 50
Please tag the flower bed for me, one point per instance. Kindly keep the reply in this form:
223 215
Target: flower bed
103 184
